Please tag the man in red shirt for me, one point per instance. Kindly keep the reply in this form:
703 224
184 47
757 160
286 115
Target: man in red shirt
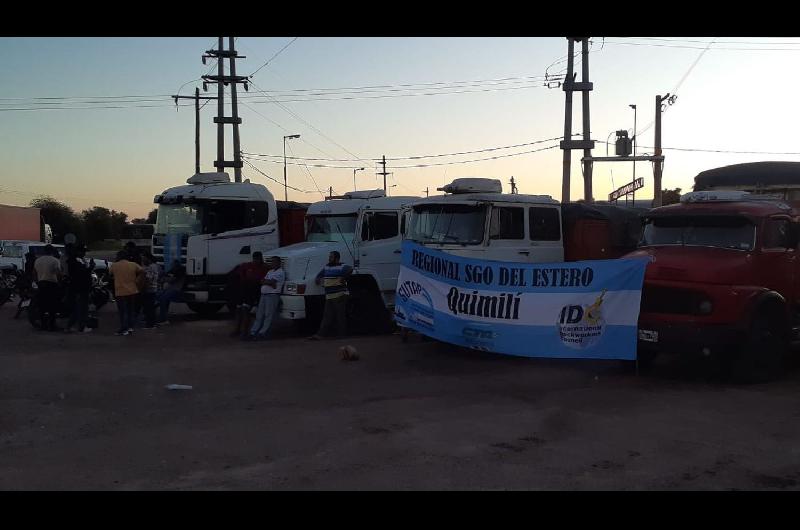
244 288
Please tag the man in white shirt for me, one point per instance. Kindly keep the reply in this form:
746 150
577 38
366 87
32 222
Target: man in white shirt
271 287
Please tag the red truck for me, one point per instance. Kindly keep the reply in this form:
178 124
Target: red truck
723 281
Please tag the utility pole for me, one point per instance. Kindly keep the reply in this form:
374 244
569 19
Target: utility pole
330 192
658 165
426 191
384 173
513 185
196 99
567 143
221 80
633 194
587 149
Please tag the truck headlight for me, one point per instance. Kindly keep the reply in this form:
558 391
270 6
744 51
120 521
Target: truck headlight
295 288
705 307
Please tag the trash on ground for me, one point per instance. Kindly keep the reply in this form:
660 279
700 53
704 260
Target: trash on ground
348 353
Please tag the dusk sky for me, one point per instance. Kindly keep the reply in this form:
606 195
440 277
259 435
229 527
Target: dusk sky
734 99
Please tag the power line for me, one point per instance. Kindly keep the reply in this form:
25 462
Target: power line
675 90
726 151
297 117
313 180
417 157
272 179
689 47
796 43
273 57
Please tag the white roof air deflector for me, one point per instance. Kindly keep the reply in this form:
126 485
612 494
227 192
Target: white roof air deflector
208 178
473 185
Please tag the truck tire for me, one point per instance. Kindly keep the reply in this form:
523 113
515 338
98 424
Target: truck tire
760 358
204 309
366 312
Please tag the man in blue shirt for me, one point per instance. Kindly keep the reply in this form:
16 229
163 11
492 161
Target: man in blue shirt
333 277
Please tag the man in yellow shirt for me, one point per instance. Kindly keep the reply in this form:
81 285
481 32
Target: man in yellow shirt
125 274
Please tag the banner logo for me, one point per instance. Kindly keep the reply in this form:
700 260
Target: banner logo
418 304
579 326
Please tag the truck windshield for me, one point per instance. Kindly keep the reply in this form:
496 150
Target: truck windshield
462 224
331 227
210 216
179 219
731 232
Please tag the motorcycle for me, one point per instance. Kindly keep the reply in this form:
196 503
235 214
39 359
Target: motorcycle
27 291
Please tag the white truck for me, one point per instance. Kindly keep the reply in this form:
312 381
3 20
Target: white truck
366 228
211 225
475 219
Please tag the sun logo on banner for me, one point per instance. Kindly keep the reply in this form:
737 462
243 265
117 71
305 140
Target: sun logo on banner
582 326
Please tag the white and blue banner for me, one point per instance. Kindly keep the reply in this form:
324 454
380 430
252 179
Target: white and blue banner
580 309
172 250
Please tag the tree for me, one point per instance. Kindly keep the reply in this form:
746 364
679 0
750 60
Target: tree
150 220
102 223
151 217
62 219
670 196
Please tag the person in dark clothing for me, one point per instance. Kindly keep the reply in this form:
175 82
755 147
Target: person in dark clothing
245 291
47 270
80 285
334 278
147 297
173 286
133 252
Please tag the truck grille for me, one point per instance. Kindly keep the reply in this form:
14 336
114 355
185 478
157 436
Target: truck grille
656 299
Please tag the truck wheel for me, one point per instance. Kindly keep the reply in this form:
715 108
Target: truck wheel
760 358
205 310
366 312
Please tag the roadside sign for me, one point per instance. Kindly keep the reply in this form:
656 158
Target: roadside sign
627 189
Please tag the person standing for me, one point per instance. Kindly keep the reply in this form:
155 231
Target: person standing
334 278
245 291
125 273
80 285
173 286
47 270
271 287
152 272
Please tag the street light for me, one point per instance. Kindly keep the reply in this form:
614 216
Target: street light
354 176
285 187
633 193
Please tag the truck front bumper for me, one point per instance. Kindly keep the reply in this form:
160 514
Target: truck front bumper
293 307
685 337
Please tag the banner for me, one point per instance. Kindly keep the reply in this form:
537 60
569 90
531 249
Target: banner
579 309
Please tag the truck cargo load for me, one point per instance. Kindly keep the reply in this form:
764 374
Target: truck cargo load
20 223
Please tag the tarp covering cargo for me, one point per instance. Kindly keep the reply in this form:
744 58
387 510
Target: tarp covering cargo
20 223
750 175
624 225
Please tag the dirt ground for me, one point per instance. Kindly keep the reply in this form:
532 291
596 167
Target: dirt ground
91 412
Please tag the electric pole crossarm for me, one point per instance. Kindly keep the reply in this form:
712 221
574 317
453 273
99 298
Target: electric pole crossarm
228 119
224 78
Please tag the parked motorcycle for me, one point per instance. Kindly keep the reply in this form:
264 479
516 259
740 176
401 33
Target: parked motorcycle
27 291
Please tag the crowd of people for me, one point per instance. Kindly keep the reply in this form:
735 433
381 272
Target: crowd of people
143 289
139 285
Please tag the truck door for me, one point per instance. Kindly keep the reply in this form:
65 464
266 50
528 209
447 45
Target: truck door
379 246
545 234
507 241
778 258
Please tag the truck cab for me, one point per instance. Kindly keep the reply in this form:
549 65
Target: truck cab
211 225
365 227
476 219
723 280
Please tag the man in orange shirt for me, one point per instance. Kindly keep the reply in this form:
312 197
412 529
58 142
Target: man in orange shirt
125 273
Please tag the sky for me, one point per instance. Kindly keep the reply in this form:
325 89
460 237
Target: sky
739 99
